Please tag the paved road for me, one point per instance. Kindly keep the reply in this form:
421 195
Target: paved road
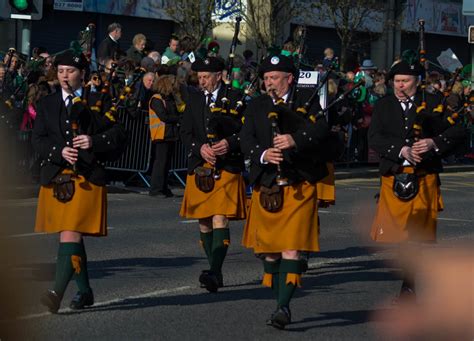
144 274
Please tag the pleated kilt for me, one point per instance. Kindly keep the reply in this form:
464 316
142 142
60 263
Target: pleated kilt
415 220
85 213
227 198
294 227
327 186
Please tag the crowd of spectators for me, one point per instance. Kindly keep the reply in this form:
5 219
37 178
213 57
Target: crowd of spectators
23 81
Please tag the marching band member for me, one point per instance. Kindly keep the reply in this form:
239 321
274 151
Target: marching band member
409 134
73 142
215 190
282 218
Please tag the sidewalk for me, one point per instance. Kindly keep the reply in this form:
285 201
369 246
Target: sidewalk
342 173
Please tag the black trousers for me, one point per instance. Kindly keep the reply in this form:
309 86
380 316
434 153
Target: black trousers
161 166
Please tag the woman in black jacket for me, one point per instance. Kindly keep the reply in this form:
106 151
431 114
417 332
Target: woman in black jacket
165 108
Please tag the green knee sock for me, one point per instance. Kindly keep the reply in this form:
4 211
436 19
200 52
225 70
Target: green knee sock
220 244
81 274
271 277
206 242
64 266
290 278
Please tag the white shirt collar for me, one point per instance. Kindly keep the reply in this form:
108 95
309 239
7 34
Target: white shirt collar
65 94
404 103
405 100
214 93
284 98
112 38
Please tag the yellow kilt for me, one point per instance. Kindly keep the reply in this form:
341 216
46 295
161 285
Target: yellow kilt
327 187
85 213
294 227
415 220
227 198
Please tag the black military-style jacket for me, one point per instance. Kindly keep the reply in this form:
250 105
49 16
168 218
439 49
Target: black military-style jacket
390 130
52 132
195 127
305 162
107 49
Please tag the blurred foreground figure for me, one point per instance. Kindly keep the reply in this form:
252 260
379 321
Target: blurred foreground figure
446 308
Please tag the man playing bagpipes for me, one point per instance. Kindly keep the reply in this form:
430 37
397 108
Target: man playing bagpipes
410 131
215 190
284 148
74 136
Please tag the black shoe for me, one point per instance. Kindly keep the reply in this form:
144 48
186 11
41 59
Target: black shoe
281 318
209 280
51 300
82 300
269 322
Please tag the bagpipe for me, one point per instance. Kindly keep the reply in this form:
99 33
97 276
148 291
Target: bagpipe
284 120
125 99
86 40
240 104
450 115
14 88
300 35
225 121
230 66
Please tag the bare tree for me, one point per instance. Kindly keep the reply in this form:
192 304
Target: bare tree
350 18
194 18
265 20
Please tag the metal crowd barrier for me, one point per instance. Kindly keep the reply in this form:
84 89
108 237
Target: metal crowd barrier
137 155
179 163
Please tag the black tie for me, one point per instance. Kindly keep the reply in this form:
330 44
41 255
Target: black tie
69 104
209 98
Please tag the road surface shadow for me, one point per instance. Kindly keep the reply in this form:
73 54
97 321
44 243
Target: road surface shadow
108 267
337 319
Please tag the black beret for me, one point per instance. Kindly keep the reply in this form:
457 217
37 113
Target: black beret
277 63
403 68
209 64
69 58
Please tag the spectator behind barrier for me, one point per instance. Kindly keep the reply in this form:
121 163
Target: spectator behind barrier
170 55
164 119
110 46
136 52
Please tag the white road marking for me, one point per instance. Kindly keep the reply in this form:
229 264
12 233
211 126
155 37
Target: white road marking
454 219
25 235
164 292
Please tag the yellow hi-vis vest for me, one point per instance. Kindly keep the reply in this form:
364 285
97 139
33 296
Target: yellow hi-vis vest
157 126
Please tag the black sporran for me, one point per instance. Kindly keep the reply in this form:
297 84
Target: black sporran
271 198
405 186
204 179
63 187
